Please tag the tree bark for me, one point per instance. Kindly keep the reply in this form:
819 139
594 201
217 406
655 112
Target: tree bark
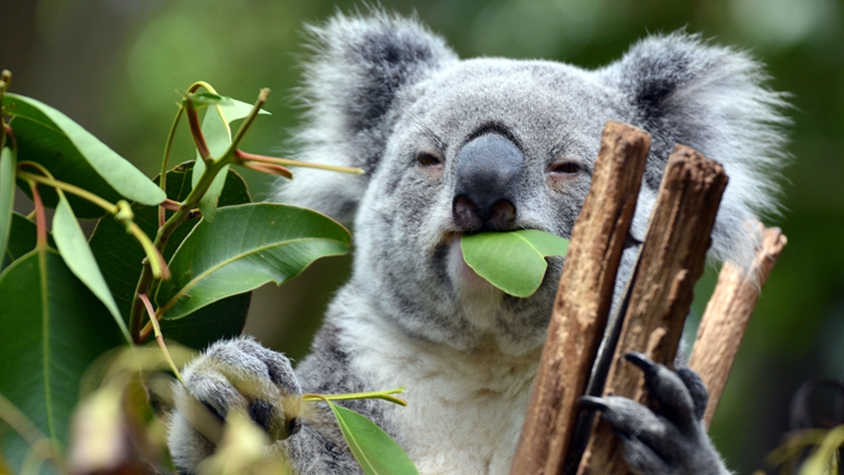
727 314
583 300
672 260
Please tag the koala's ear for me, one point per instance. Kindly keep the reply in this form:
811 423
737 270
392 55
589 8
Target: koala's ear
684 90
360 67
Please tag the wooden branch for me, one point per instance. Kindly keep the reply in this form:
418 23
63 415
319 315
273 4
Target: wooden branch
672 260
583 300
727 315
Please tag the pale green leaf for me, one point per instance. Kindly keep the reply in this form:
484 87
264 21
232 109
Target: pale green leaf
72 154
76 253
512 261
376 452
8 163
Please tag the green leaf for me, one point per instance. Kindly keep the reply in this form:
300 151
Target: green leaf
513 261
218 137
72 154
244 248
51 329
119 256
8 162
76 253
376 452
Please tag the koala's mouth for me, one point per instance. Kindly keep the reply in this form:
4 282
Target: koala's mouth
462 277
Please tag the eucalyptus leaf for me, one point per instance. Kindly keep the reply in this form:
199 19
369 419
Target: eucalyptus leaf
8 162
76 253
72 154
218 137
119 256
51 329
244 248
376 452
512 261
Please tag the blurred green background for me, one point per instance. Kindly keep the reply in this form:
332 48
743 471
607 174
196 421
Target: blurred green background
113 65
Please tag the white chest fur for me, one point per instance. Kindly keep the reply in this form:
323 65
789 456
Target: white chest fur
465 410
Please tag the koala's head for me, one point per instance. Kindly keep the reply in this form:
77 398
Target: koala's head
455 146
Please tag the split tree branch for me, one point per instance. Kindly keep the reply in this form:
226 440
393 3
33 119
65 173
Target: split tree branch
583 300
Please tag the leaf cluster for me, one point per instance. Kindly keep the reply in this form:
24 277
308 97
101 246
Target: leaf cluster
174 256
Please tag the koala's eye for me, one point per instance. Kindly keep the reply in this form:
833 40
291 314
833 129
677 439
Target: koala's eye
566 168
428 159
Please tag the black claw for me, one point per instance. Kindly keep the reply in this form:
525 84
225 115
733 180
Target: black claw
642 362
592 402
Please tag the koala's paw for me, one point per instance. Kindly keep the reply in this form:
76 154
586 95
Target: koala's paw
232 375
670 440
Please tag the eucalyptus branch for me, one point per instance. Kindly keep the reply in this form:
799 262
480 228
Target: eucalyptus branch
184 211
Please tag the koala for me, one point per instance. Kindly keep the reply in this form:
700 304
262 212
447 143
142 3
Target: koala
456 146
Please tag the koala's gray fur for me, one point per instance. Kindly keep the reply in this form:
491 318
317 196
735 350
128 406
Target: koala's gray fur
385 94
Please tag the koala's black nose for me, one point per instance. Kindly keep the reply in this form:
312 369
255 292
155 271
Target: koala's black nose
487 170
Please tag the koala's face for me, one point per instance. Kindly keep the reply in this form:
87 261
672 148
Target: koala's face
488 145
452 147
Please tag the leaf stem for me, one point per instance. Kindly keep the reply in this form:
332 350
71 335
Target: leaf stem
385 395
247 122
5 81
159 267
250 157
72 189
162 176
159 337
193 121
8 132
40 218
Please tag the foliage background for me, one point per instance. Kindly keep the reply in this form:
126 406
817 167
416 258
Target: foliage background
113 66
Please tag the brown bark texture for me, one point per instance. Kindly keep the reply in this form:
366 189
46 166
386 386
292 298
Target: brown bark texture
727 315
583 300
671 261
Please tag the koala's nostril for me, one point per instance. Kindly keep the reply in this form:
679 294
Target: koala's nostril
466 213
489 169
503 215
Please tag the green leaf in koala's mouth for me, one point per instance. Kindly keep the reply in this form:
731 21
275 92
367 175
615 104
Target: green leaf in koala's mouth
512 261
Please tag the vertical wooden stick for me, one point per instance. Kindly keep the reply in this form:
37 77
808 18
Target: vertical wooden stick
672 260
583 300
727 315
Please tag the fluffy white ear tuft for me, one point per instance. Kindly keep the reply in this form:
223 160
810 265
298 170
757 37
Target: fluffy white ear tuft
359 67
715 100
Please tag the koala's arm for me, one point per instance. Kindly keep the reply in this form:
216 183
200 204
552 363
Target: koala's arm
241 375
671 438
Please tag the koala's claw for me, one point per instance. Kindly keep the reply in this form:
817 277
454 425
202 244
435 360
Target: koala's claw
237 374
671 438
